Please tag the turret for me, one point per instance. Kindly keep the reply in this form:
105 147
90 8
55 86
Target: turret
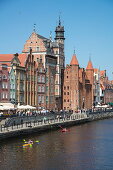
60 33
74 60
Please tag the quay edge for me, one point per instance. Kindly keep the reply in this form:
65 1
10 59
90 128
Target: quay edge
41 128
54 126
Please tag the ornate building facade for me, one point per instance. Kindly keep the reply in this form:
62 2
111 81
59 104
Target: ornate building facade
52 55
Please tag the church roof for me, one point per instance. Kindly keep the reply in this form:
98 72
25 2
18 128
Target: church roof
89 66
74 60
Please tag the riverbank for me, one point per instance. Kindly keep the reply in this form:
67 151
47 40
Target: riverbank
51 124
100 116
41 126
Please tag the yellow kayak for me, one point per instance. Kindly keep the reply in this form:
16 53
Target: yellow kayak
27 144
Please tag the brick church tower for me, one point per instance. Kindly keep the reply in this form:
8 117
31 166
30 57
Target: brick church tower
71 85
59 53
90 77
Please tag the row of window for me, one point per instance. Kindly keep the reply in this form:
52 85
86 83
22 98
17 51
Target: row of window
50 99
65 100
68 100
12 95
36 48
66 87
41 89
41 79
4 85
40 99
65 93
51 89
51 80
4 95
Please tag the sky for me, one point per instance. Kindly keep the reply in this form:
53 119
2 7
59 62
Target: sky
88 27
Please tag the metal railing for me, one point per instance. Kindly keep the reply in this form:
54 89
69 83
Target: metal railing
41 122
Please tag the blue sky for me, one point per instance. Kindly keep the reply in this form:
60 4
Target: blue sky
88 27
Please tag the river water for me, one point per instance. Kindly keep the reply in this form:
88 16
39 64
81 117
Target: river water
85 147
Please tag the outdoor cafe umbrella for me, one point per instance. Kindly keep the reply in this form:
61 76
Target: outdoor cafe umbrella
25 107
1 108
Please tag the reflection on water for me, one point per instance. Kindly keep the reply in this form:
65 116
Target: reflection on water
88 146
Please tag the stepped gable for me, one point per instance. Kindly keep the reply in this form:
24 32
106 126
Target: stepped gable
74 60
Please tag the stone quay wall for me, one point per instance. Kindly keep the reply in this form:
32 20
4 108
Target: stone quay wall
51 124
41 126
100 116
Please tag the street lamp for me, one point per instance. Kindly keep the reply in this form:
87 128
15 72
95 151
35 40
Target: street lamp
83 102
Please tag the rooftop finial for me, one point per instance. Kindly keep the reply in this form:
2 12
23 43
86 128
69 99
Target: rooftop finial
34 28
50 35
89 56
59 21
74 49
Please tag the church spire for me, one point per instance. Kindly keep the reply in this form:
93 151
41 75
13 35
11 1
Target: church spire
74 60
90 65
59 32
50 36
59 21
34 28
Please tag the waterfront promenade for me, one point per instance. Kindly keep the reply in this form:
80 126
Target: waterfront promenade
36 125
42 125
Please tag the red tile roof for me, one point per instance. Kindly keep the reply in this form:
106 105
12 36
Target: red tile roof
6 57
89 66
102 72
22 58
74 60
